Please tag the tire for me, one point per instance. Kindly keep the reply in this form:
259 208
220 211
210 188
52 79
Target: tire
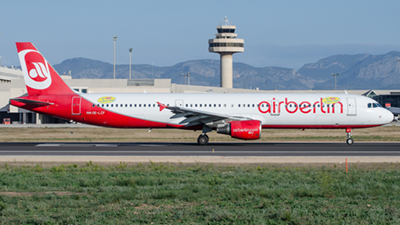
202 140
350 141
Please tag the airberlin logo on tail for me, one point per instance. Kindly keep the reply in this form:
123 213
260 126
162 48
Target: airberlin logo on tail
35 68
39 73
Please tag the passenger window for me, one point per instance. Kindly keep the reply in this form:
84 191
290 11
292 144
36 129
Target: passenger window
130 105
248 105
140 105
200 105
238 105
116 105
224 105
215 105
112 105
210 105
219 105
102 105
93 105
195 105
253 105
186 105
205 105
232 105
191 105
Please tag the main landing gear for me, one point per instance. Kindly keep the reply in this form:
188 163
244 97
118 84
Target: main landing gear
203 138
349 140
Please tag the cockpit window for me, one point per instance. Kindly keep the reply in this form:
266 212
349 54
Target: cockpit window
374 105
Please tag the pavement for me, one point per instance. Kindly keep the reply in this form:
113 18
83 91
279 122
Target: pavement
236 153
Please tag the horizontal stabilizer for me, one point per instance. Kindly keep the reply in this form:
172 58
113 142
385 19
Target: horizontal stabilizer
32 102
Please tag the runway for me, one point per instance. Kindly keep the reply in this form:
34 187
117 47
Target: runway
242 149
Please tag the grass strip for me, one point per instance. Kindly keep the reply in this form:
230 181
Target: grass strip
177 193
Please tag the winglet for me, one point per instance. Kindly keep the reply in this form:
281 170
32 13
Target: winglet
162 106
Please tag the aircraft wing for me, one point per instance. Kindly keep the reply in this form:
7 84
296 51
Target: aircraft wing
394 110
195 117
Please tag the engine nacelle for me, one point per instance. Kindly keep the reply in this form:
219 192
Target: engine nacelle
244 129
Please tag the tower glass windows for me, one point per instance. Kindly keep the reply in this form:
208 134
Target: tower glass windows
222 30
226 45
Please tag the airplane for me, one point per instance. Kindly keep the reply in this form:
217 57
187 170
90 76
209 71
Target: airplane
240 115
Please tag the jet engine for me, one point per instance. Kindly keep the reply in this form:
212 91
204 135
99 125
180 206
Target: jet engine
242 129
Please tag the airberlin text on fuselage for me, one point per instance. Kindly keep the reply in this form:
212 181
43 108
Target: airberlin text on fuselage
304 107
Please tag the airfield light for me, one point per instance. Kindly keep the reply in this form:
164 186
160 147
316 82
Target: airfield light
130 63
186 75
335 75
115 38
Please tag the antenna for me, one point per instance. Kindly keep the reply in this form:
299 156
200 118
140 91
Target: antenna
226 21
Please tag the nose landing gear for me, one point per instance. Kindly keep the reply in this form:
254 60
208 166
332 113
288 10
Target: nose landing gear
349 140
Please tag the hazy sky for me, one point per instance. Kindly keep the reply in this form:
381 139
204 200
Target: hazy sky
276 33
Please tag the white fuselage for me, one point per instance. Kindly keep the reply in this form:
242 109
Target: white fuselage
273 110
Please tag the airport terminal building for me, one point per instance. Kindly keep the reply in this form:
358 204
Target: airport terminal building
12 85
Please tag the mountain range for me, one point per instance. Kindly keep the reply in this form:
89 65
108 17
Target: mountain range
361 71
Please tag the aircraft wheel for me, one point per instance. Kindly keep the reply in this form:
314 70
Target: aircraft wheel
350 141
202 140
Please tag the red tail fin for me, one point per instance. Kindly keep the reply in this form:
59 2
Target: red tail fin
40 77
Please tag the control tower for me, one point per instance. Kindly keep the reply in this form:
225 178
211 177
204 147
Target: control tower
226 44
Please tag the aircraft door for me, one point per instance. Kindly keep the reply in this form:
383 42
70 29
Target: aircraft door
76 105
179 103
351 107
